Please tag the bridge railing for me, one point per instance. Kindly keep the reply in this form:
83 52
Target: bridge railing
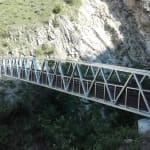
121 87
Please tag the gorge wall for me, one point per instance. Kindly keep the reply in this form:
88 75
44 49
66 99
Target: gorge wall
115 32
141 11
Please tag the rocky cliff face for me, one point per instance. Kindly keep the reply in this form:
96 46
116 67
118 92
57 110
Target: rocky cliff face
105 31
141 11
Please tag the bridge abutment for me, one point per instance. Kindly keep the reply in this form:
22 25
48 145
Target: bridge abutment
144 126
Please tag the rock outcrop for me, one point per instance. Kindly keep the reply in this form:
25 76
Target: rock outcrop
141 11
105 31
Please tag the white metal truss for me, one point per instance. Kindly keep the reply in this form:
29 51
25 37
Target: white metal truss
119 87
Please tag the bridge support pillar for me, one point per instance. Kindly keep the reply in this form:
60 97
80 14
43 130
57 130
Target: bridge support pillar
144 126
85 104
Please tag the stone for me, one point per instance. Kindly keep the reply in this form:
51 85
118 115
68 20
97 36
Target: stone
100 28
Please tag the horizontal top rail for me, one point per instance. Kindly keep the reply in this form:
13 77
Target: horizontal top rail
93 64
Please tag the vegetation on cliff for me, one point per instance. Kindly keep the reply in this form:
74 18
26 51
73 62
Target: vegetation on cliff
19 14
55 121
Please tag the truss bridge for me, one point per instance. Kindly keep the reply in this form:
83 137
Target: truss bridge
120 87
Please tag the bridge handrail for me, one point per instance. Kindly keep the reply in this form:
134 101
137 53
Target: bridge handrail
93 64
104 83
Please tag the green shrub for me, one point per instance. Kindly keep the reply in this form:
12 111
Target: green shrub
37 12
57 9
50 50
5 44
73 2
45 49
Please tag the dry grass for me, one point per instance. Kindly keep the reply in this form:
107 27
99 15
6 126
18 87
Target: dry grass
30 11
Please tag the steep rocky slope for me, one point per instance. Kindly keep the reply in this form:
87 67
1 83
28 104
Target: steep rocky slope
141 11
104 31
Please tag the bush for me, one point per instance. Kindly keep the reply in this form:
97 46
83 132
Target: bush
73 2
5 44
45 49
50 50
57 9
57 121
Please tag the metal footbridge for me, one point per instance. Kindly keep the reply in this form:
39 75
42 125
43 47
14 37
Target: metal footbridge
120 87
